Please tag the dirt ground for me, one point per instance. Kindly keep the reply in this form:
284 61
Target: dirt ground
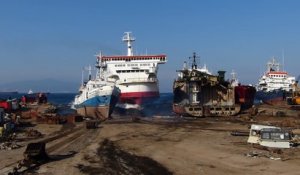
170 145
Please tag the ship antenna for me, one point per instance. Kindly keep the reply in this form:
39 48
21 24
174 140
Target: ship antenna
233 74
194 64
98 64
128 39
82 72
90 72
282 59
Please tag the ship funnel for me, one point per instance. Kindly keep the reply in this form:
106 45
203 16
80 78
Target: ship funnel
128 39
221 75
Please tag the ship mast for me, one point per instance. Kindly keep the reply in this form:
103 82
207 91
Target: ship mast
233 74
90 71
273 65
194 64
128 39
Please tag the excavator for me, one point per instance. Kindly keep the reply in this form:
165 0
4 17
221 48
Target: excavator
295 97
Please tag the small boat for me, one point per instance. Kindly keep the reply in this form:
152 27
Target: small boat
97 98
30 91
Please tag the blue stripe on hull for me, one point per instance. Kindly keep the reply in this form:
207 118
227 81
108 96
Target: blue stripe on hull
96 101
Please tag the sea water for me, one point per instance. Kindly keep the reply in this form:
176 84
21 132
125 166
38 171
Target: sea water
161 106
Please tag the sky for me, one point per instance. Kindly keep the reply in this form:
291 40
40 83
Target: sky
41 39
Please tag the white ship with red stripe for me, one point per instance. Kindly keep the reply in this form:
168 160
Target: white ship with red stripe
135 75
275 79
275 84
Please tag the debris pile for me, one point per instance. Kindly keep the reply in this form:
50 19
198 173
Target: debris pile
255 154
33 133
9 146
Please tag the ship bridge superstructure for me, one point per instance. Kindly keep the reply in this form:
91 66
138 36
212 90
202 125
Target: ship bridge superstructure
132 69
135 75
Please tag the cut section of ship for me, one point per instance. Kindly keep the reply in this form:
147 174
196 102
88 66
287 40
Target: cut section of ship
244 94
97 98
275 85
135 75
198 93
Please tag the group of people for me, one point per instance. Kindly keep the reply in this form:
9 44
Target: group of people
39 97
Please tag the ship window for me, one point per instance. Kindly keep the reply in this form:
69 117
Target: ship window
265 136
191 109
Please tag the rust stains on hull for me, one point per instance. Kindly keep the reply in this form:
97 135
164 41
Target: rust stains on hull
101 112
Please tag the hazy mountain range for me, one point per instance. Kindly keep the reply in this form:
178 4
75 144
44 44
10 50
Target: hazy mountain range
45 85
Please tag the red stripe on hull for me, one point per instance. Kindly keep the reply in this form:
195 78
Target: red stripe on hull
137 97
274 101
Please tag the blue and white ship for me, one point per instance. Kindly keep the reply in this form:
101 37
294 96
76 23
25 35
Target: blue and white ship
97 98
275 85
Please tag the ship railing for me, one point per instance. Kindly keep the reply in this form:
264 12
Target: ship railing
138 80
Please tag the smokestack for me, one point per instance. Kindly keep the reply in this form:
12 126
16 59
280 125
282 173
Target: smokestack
221 76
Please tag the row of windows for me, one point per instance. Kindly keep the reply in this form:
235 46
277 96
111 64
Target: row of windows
123 65
129 59
129 71
277 76
120 65
132 65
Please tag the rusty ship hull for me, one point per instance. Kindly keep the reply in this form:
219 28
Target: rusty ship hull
101 113
211 100
199 93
